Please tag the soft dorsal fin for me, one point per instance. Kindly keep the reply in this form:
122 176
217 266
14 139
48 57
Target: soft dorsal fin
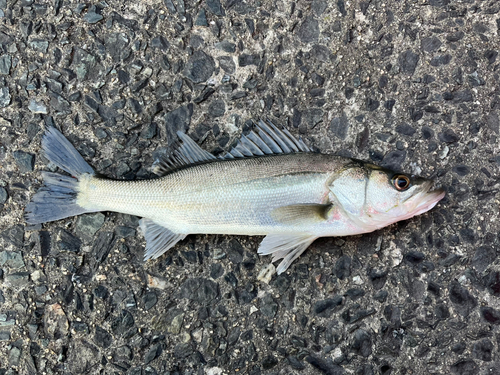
186 154
267 140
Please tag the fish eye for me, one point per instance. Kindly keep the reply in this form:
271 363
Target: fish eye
401 182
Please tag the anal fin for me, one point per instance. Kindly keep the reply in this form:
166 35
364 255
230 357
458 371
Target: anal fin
158 238
301 214
285 246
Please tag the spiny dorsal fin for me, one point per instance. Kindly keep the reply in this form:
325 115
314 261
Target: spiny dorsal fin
267 141
186 154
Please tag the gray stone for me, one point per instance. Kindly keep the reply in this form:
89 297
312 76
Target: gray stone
24 160
201 18
5 64
199 67
268 306
199 290
92 16
87 225
308 31
226 46
177 120
430 44
37 106
408 61
215 7
3 195
4 96
12 259
339 126
39 45
14 356
17 279
217 108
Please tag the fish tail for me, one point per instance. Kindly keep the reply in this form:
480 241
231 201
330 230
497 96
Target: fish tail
57 198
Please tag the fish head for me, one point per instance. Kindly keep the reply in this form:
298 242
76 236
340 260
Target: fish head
374 197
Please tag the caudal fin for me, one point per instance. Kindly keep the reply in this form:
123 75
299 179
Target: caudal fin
57 198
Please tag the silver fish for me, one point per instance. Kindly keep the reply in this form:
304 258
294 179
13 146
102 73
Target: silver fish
269 184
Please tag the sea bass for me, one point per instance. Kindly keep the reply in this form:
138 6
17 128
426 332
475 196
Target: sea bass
269 184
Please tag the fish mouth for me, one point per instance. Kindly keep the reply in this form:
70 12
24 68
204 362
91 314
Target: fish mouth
427 198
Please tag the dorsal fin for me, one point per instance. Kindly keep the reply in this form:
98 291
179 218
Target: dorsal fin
267 140
186 154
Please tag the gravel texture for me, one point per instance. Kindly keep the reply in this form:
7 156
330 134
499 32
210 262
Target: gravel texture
410 85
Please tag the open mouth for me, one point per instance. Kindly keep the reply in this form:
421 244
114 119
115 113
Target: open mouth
427 199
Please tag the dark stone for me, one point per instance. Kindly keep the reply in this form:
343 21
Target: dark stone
427 133
101 292
204 95
326 366
464 367
343 267
389 104
326 307
102 338
483 257
482 350
231 279
24 160
217 108
154 352
103 245
246 60
339 126
405 129
408 62
235 251
92 15
269 362
362 344
455 37
149 131
227 64
199 290
458 348
215 7
68 242
372 104
308 31
177 120
216 270
491 56
199 67
183 350
492 283
464 302
448 136
430 44
378 278
160 42
3 195
268 306
122 323
393 160
490 315
201 18
414 257
226 46
295 363
441 311
149 300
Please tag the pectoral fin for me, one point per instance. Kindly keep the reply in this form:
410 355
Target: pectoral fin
301 213
158 239
285 246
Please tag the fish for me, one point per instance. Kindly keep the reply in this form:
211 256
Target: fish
269 184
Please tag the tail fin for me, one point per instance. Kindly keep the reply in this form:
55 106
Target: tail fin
57 198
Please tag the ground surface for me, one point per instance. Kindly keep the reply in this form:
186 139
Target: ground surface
408 84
